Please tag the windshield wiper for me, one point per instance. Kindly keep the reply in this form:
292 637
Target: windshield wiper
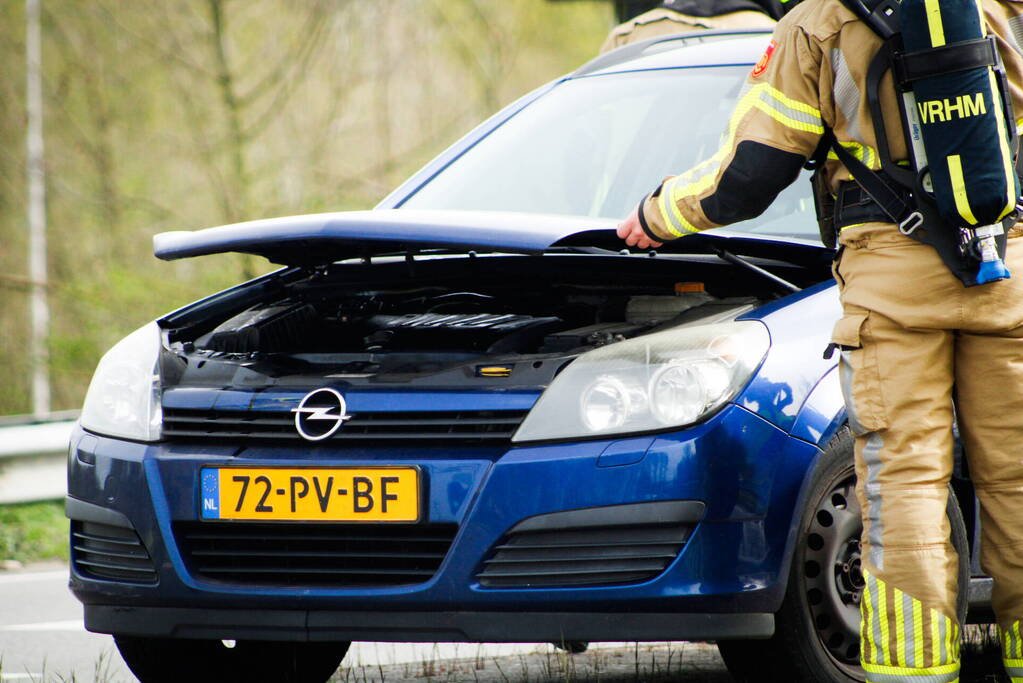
739 261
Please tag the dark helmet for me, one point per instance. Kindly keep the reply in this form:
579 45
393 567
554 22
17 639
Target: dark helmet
711 8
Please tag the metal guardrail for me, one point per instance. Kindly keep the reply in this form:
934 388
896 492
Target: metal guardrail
33 456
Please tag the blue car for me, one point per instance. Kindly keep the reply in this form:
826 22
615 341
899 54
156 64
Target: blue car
471 415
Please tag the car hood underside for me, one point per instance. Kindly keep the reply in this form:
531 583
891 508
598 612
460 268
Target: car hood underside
328 237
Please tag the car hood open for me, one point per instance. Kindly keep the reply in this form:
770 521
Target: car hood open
327 237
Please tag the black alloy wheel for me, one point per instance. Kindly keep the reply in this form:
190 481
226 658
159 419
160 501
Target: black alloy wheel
168 660
816 638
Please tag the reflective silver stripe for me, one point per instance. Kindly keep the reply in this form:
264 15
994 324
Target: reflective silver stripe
1014 671
1011 642
875 605
668 198
847 93
1016 26
943 623
909 631
846 380
872 490
913 678
796 115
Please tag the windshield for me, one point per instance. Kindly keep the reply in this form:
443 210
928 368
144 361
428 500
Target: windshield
595 146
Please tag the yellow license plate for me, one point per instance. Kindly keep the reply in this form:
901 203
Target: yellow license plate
338 494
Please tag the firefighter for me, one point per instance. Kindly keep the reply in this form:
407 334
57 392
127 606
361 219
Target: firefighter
913 338
686 16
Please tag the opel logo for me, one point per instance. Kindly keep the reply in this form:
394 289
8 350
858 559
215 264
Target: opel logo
320 414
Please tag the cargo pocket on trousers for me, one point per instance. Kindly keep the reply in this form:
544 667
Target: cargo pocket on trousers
859 373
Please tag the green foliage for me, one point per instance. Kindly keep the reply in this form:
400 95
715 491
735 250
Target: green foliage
179 116
33 532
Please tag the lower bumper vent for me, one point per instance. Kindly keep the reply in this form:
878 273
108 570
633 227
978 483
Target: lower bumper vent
102 551
327 555
593 546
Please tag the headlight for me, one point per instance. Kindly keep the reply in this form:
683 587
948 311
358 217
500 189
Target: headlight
123 397
662 380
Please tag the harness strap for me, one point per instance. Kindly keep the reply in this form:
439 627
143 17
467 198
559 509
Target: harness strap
938 61
875 72
894 203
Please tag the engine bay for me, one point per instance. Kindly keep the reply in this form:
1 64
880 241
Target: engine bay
412 319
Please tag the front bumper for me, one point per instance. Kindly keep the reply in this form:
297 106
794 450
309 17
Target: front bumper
422 627
725 582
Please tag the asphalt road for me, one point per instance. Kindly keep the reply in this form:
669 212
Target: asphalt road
42 641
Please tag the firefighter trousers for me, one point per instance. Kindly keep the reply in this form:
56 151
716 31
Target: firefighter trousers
913 340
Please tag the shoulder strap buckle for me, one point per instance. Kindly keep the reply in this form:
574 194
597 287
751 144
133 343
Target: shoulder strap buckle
910 224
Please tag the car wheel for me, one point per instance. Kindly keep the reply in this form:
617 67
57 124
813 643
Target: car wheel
816 635
572 647
166 660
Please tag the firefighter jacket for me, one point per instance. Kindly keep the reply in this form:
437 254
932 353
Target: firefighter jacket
696 16
812 75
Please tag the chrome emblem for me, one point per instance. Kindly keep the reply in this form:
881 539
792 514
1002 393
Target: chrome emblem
320 414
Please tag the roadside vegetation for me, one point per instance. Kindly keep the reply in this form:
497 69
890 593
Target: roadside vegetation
185 115
32 532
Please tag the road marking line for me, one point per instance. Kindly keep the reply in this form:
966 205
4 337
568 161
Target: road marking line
28 577
70 625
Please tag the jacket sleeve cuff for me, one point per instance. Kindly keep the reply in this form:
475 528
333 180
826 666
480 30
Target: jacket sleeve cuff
650 218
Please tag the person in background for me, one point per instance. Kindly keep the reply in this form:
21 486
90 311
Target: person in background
686 16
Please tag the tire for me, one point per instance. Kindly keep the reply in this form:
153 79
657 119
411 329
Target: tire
167 660
816 638
572 647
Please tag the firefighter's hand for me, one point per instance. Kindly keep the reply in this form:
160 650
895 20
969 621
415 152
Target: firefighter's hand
632 232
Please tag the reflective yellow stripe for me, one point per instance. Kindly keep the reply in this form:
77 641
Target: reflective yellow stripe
877 673
950 640
899 628
869 647
864 153
1018 641
934 23
952 667
789 102
768 95
918 633
786 120
675 223
1013 663
900 633
955 172
935 639
882 616
1003 145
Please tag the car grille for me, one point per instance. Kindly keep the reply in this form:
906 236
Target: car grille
102 551
590 548
485 426
328 555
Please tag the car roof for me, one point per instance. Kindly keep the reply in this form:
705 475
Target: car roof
702 48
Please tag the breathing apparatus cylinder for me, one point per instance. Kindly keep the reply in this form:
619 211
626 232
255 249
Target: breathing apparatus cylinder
965 162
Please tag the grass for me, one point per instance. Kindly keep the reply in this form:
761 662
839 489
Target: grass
641 662
33 532
676 662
